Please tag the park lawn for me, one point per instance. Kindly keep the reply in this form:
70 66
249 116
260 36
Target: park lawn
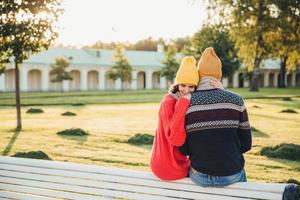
111 125
88 97
275 128
115 97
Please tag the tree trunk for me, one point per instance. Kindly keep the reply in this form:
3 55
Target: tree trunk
255 76
18 103
281 83
260 20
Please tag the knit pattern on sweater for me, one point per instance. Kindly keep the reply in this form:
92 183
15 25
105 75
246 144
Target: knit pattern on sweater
216 108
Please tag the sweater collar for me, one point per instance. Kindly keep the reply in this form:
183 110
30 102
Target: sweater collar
205 84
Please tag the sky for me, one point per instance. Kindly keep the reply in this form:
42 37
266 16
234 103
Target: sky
86 21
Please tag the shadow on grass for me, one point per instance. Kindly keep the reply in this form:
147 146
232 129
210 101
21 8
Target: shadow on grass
77 104
143 141
145 146
11 141
258 133
255 106
79 139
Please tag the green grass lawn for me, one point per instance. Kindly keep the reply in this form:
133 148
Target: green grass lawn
111 125
110 97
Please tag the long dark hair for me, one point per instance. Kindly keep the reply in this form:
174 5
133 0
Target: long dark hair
174 88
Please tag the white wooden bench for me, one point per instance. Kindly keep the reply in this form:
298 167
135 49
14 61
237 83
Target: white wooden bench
40 179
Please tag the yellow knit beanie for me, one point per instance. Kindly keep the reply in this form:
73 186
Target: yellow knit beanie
187 72
210 64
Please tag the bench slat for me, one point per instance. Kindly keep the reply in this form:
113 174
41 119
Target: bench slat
269 187
45 192
2 198
141 189
22 196
76 190
182 189
6 198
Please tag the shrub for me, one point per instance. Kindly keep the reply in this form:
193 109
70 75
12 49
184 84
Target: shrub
68 114
282 151
288 111
141 139
34 110
72 132
33 154
287 99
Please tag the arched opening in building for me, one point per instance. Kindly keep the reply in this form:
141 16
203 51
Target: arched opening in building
75 82
34 80
93 80
141 80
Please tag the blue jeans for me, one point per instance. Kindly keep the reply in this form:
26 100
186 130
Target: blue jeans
216 181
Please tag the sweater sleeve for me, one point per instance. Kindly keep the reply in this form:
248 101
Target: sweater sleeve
174 121
177 125
244 131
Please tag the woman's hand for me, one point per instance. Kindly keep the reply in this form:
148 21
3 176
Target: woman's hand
216 83
187 96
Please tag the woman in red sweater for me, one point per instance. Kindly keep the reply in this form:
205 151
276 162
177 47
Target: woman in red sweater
167 162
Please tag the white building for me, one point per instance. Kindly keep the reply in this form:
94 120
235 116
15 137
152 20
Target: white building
88 69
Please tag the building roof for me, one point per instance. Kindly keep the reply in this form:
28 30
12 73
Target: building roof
104 57
100 57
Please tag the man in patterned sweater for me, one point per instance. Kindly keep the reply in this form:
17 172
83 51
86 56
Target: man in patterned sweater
218 130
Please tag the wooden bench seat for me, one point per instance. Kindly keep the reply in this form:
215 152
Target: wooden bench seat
33 179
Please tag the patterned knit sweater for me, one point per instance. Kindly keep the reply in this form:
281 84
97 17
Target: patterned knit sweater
218 132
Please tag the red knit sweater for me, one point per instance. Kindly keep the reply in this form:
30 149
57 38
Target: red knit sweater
167 162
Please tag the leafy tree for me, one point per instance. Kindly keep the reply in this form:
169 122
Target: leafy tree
284 38
58 71
121 69
171 64
181 42
3 59
250 21
148 44
2 69
26 27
